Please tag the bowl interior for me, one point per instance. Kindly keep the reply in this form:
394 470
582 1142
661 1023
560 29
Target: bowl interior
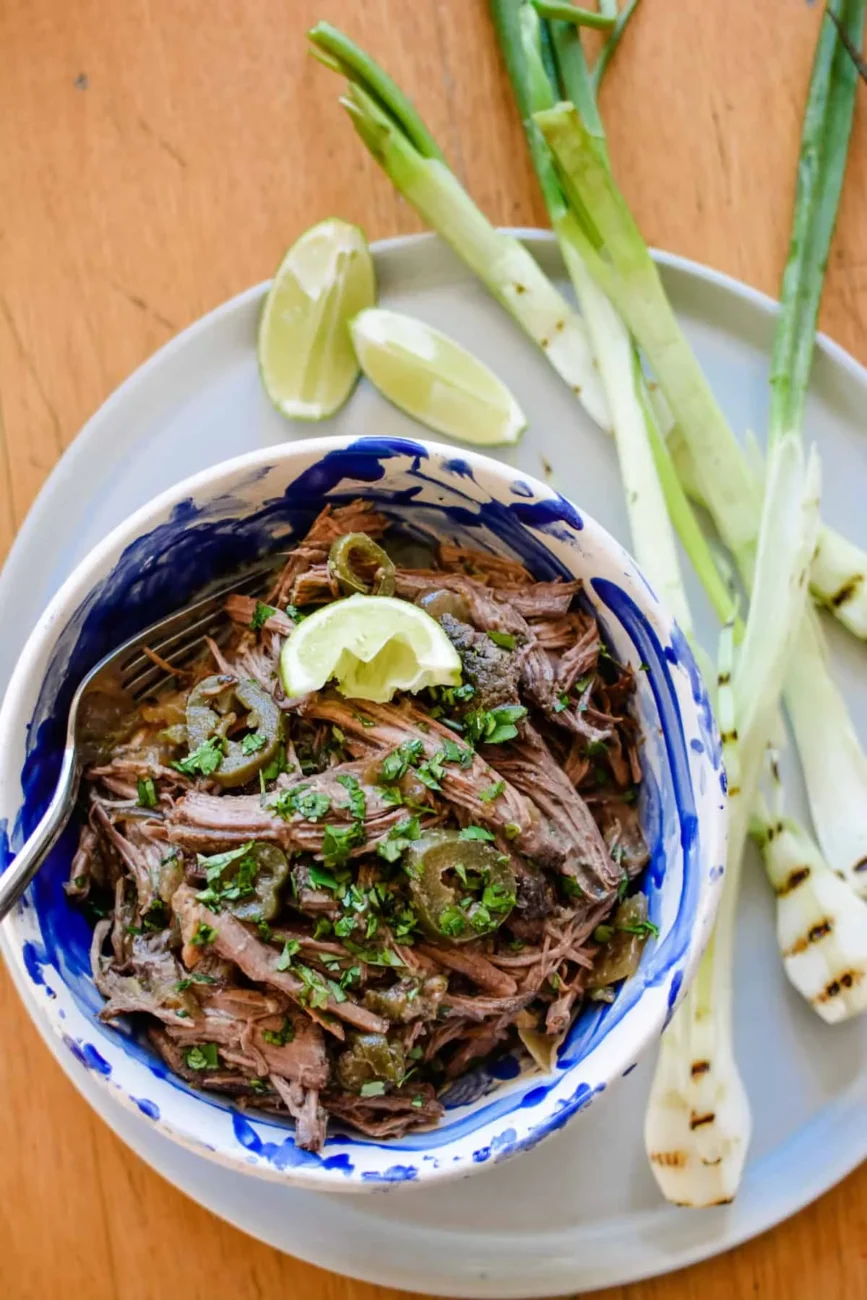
258 505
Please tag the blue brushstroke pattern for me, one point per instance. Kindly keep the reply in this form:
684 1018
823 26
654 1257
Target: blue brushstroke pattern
198 544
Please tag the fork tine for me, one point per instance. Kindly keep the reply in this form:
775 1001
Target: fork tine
140 676
151 680
193 617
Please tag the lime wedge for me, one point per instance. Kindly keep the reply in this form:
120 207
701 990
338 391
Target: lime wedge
306 359
434 379
372 646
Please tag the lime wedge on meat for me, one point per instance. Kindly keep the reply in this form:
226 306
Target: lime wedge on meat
434 379
306 359
371 646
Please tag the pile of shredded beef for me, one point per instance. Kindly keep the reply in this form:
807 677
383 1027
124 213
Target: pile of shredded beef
268 935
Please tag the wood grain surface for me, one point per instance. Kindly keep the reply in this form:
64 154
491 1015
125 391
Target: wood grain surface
156 156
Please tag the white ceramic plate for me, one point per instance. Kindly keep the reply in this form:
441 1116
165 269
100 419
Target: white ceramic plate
583 1211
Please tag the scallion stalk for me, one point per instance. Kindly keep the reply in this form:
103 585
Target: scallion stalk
565 11
821 924
614 252
821 168
401 144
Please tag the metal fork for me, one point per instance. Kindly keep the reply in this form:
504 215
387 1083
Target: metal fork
177 640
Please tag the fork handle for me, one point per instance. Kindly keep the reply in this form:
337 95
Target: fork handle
25 864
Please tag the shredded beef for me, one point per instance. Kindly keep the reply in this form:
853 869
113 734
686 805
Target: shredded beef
285 942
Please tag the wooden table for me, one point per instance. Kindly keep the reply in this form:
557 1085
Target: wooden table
156 157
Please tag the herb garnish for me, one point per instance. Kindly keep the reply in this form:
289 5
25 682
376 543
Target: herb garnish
203 1057
202 761
147 793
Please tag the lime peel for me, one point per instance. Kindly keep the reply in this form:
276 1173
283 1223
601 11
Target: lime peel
372 647
434 379
306 360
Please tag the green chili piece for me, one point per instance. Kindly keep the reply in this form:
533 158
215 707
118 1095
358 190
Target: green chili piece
210 709
361 566
462 889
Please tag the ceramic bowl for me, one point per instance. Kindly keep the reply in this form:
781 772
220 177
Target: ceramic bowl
208 526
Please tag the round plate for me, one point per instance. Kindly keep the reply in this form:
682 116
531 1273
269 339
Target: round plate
583 1211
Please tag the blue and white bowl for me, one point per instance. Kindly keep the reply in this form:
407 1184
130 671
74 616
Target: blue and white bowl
235 513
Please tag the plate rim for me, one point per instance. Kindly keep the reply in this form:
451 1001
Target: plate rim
851 1155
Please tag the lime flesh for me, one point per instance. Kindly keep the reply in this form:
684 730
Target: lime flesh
372 647
306 358
434 379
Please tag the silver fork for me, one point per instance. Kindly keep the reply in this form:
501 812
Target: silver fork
177 640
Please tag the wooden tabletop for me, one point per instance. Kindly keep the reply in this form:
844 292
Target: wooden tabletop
156 157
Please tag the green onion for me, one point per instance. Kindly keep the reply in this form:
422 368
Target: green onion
393 132
821 168
570 13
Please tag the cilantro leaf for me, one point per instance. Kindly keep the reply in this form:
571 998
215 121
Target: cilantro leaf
339 840
505 640
399 838
203 1057
375 1088
307 803
492 792
357 798
290 948
147 793
253 742
476 833
202 761
261 614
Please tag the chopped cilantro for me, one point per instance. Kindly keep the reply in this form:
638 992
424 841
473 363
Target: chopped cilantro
395 764
147 793
374 957
505 640
571 888
417 1101
194 978
390 794
338 735
203 1057
264 930
322 928
475 833
322 879
202 761
203 935
339 840
280 1037
494 726
290 948
452 922
645 929
399 838
492 792
316 992
375 1088
357 799
511 830
227 889
562 703
276 766
307 803
261 614
253 742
